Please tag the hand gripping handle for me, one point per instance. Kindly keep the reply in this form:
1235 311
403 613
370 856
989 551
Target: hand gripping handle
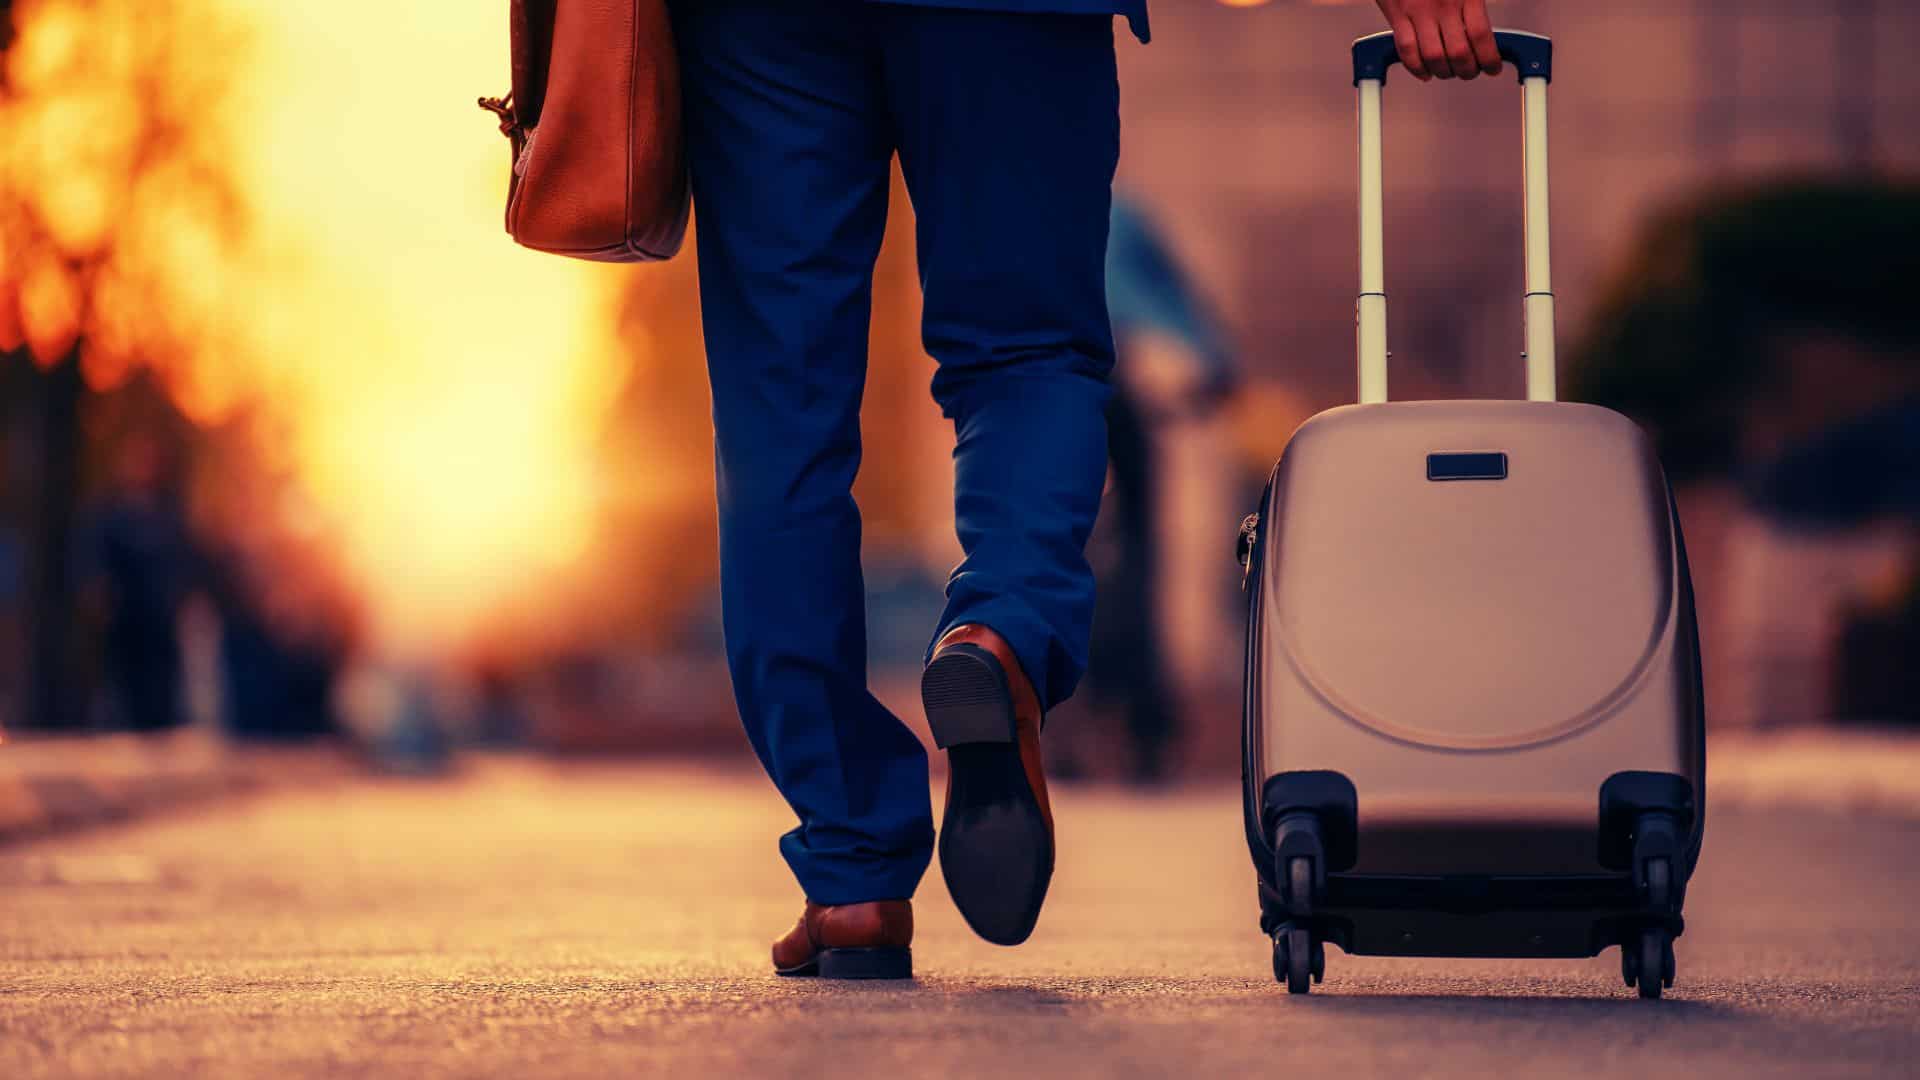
1532 55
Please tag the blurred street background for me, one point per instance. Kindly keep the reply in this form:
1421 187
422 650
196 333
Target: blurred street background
313 486
295 443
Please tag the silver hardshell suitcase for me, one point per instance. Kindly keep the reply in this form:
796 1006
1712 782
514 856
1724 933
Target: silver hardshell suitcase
1474 721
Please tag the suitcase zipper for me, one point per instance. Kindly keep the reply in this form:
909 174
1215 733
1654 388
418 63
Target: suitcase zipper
1243 547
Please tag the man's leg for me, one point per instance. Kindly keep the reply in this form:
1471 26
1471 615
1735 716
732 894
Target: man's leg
790 154
1009 133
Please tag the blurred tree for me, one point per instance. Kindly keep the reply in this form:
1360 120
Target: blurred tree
1695 325
112 188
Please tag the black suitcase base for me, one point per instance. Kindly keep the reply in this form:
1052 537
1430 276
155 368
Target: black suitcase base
1312 894
1541 918
1512 918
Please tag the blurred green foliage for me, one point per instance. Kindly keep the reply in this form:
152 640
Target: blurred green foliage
1682 337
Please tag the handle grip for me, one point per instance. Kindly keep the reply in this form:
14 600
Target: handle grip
1530 54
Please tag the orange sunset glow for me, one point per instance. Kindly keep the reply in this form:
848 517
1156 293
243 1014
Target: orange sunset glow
293 210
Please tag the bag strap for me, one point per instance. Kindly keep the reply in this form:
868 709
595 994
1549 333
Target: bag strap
531 25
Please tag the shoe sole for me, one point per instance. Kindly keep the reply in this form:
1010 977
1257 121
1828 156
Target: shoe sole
855 964
995 850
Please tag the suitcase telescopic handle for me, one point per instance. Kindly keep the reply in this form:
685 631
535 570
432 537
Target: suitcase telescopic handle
1532 56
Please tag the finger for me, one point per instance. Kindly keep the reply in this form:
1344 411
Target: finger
1408 46
1433 52
1480 37
1453 37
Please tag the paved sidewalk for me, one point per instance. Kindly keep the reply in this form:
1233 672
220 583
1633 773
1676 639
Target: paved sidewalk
1826 769
523 918
52 784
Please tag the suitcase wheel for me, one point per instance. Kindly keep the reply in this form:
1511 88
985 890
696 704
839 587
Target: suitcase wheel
1299 958
1659 883
1299 885
1648 962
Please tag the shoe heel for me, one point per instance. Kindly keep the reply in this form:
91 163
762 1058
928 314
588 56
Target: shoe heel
966 697
866 964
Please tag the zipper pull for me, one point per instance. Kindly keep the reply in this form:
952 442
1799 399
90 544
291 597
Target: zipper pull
1243 547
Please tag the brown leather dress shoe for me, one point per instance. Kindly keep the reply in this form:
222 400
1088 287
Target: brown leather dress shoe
849 941
996 838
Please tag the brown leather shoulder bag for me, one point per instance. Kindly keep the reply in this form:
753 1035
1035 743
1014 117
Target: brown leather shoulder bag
599 167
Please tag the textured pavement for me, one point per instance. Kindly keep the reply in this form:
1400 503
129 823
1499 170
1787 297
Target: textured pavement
61 783
526 919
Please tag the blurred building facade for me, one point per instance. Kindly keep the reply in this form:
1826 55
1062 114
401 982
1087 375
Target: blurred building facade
1239 136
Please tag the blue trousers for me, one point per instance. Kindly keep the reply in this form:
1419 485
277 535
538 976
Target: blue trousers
1007 130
